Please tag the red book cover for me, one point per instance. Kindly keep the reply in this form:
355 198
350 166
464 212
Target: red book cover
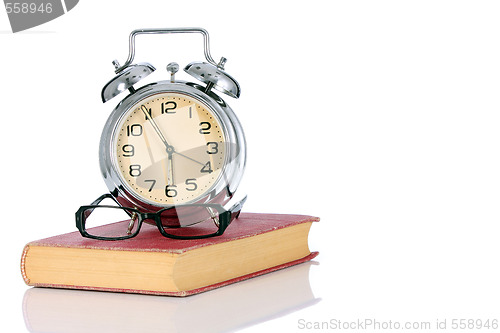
150 240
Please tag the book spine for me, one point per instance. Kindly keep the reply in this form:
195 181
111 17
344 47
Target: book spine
23 264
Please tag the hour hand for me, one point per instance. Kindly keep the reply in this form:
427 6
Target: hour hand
170 176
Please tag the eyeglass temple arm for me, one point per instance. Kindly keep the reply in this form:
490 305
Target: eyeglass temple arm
236 209
97 201
102 197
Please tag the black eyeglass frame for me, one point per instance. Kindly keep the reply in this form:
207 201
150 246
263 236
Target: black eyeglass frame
225 218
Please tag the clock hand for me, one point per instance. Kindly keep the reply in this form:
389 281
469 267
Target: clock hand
170 169
189 158
170 149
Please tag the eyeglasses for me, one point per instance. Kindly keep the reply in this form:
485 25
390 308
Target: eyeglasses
188 221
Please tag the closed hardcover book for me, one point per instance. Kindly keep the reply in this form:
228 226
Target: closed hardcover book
254 244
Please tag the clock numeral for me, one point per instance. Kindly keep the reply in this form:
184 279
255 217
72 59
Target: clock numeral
170 191
134 130
128 150
134 170
207 168
191 182
205 126
152 181
190 113
166 107
213 147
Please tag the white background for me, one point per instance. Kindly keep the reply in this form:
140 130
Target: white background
380 117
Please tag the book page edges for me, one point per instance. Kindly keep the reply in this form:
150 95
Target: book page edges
97 268
311 256
258 253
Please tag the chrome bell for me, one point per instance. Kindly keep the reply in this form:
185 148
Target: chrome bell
126 79
214 77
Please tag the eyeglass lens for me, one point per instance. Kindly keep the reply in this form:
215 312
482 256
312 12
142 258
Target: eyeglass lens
111 222
190 221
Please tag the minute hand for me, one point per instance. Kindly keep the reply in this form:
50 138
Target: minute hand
170 149
157 129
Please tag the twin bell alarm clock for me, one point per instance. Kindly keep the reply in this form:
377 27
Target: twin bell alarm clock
172 142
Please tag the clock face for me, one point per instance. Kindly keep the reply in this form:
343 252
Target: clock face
169 148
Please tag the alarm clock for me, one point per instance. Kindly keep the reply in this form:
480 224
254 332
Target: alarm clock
172 142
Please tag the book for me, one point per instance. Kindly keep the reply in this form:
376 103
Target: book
254 244
259 299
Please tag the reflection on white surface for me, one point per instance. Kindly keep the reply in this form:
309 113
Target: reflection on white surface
225 309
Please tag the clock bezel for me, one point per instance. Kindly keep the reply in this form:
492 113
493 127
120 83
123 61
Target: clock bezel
234 163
